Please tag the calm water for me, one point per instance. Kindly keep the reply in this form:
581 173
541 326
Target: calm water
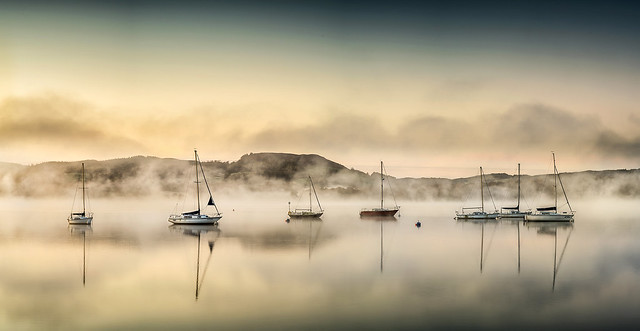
131 270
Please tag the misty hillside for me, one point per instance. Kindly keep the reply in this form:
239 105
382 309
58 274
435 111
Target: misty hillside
280 172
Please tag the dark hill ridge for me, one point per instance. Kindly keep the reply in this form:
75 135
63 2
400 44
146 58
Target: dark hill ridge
270 172
283 165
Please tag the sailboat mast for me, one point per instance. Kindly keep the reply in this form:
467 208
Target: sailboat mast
197 180
310 209
518 187
381 187
83 204
314 192
562 187
481 190
555 181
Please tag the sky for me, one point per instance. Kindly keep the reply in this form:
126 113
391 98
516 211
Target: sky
432 88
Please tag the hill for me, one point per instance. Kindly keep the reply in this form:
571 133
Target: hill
270 172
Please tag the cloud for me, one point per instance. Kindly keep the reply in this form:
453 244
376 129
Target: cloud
54 124
345 132
59 128
528 127
612 143
542 125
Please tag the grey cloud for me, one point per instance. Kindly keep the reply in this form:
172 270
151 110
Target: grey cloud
613 144
529 127
537 124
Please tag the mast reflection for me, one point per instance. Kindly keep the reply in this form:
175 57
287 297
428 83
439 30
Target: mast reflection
551 228
197 231
81 230
312 239
381 220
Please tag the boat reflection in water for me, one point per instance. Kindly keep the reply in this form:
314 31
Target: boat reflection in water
197 231
381 220
81 230
551 229
484 252
312 237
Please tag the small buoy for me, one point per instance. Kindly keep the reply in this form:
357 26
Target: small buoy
287 220
418 224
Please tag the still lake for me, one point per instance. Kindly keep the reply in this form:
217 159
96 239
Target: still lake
132 270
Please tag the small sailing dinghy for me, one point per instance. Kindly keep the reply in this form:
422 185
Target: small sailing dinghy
81 217
478 213
197 216
307 212
551 214
514 213
382 211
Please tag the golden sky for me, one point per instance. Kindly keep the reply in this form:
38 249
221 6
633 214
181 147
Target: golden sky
430 90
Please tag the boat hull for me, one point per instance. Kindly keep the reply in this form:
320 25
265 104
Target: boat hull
293 214
378 212
83 220
195 219
549 217
514 215
477 216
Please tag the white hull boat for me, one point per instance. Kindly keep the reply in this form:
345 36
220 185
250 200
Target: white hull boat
551 214
197 217
82 217
549 217
84 220
477 213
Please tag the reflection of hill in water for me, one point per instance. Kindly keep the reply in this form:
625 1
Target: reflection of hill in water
265 172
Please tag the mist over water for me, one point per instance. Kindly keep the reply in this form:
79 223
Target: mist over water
258 271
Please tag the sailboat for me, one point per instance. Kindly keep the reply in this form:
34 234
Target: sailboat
514 212
196 216
551 214
304 212
477 213
382 211
82 217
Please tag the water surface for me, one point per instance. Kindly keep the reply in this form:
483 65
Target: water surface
132 270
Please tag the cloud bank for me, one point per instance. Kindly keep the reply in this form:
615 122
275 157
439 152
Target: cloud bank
36 129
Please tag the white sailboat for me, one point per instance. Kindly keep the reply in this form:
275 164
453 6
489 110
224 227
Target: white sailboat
196 216
307 212
382 211
514 212
551 214
82 217
477 213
